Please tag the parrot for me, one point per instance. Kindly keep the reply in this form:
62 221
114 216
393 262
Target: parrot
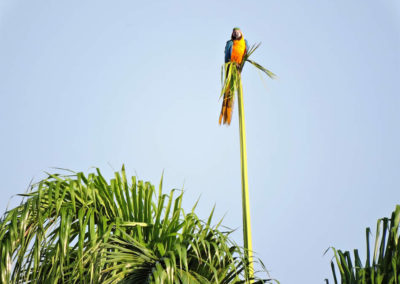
235 49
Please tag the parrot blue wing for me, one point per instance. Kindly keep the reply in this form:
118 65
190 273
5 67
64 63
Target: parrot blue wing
247 45
228 50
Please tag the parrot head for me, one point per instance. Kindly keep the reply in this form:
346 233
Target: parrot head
236 34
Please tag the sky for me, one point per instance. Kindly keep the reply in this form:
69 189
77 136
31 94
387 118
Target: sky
88 84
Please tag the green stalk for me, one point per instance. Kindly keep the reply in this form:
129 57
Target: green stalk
233 83
245 187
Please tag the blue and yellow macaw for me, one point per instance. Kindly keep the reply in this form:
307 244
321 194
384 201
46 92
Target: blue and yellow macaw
235 49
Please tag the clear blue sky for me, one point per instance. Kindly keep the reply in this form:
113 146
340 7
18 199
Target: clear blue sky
102 83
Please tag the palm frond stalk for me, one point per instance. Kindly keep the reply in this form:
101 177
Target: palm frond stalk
82 229
233 84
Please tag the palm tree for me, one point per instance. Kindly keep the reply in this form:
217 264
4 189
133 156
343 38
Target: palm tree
79 228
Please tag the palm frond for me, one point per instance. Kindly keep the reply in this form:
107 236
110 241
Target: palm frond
265 70
385 265
83 229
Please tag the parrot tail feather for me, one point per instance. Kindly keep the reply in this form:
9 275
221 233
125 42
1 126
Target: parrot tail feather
227 109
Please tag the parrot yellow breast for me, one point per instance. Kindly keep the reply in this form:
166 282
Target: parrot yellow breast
238 49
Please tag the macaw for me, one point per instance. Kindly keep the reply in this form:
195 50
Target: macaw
235 49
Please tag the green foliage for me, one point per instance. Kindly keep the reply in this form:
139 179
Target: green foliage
255 64
82 229
232 82
385 266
